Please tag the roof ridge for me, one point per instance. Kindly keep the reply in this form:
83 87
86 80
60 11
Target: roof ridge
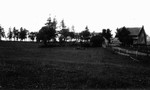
133 27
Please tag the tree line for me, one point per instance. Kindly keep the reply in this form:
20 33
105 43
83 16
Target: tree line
17 34
48 33
51 32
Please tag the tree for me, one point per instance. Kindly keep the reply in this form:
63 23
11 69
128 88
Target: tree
85 35
51 23
77 36
104 33
72 35
15 34
48 32
2 33
107 34
32 35
63 26
23 34
64 34
64 31
123 36
10 34
54 23
97 40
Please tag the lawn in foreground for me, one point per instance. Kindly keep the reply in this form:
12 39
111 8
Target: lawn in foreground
24 65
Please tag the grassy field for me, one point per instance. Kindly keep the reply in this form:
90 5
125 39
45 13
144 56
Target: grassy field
24 65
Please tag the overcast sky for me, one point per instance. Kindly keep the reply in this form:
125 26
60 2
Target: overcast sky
96 14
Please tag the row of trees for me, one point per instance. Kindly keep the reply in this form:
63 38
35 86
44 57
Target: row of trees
16 34
2 33
50 32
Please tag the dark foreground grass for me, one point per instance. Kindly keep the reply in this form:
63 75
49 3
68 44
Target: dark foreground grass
25 66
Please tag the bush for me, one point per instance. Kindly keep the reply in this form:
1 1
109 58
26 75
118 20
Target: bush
97 41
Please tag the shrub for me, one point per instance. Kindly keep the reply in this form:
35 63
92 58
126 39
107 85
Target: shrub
96 41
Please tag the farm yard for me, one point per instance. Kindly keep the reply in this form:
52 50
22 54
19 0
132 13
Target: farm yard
24 65
50 45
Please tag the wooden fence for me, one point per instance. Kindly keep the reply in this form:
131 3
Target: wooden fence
130 53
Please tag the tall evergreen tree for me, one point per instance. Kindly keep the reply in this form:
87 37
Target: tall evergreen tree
10 34
63 26
2 33
15 34
54 23
64 31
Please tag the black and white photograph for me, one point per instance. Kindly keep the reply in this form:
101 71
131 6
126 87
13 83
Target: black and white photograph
74 44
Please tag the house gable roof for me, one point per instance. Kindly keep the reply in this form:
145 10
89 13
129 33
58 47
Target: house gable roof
134 31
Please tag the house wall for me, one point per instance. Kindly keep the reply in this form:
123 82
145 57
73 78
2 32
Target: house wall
142 37
134 41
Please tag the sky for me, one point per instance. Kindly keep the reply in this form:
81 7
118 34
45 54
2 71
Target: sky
96 14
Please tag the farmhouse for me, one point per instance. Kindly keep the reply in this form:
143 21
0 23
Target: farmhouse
138 35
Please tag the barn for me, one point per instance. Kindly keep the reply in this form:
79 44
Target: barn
138 35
